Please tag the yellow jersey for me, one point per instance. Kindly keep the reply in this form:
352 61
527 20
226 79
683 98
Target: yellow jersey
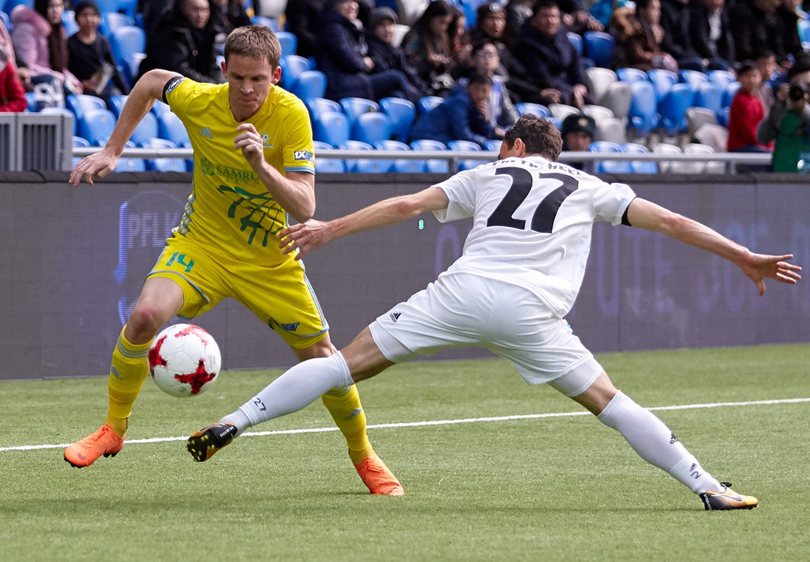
230 210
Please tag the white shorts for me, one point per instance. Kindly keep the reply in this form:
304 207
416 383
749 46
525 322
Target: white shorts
464 310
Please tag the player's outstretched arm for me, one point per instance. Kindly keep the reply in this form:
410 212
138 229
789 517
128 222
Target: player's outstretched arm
757 267
314 234
148 89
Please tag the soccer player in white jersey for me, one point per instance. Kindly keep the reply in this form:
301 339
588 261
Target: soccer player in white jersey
519 274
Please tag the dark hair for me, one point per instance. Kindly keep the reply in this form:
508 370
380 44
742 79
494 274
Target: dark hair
642 4
57 41
538 134
86 5
479 78
746 67
436 9
541 4
254 41
763 54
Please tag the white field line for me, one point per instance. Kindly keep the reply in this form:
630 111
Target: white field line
438 422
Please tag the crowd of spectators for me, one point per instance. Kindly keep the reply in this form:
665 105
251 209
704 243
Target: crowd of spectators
516 51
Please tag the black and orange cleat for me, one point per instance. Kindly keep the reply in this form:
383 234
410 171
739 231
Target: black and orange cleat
85 452
204 443
727 499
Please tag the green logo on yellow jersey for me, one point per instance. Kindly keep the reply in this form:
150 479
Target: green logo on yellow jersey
262 213
235 175
266 141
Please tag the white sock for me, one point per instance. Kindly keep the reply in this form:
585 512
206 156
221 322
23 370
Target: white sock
655 443
296 388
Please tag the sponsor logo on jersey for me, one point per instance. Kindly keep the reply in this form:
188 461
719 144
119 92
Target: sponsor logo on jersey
234 175
290 327
395 316
266 141
303 155
206 132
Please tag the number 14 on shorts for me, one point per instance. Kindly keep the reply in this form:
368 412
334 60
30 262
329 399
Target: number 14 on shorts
181 259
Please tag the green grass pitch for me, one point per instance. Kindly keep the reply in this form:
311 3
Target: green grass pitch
565 488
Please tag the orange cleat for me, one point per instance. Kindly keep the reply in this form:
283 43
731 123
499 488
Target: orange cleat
378 478
105 442
727 499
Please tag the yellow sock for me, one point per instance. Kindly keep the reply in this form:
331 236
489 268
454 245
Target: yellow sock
127 373
344 405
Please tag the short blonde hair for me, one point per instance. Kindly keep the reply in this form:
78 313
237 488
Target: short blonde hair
254 41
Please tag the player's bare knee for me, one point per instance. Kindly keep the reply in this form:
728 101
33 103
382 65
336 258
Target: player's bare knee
144 322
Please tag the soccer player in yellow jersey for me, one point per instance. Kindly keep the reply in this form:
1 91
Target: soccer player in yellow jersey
253 165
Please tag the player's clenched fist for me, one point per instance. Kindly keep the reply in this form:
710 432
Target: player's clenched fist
93 167
250 143
304 237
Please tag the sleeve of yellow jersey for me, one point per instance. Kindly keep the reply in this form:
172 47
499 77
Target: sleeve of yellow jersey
297 143
179 93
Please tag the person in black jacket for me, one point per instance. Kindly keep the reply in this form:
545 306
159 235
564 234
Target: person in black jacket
302 20
89 56
185 43
385 55
229 14
677 40
754 29
787 31
710 33
552 63
343 57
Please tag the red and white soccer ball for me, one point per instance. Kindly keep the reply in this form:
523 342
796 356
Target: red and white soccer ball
184 360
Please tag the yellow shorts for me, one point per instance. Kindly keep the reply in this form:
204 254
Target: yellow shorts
280 296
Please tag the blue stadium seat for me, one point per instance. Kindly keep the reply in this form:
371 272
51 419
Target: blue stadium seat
631 75
110 21
130 165
289 43
371 127
365 166
79 142
721 77
310 84
270 23
326 165
146 129
69 22
534 109
331 127
401 113
693 78
172 129
466 146
599 47
354 107
708 95
576 41
673 108
96 125
662 81
608 166
639 167
81 103
131 65
291 67
126 41
402 166
61 111
432 166
729 92
643 107
429 102
317 106
493 145
159 108
6 20
162 164
117 104
11 4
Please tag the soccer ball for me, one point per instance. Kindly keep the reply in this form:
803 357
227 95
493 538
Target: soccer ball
184 360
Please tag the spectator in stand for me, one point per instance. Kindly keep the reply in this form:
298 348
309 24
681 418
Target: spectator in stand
22 71
153 12
229 15
787 30
577 134
302 21
754 28
746 112
89 55
344 59
491 27
429 47
766 63
185 42
552 63
12 93
677 41
787 124
576 18
40 42
384 54
711 33
638 37
462 116
517 13
460 42
501 111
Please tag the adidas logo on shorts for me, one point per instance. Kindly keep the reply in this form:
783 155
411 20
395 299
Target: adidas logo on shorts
394 316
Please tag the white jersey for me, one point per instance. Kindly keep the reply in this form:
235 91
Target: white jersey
532 222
